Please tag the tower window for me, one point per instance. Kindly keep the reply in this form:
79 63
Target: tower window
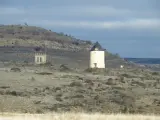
40 59
37 59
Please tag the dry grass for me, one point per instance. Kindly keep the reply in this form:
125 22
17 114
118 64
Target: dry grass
76 116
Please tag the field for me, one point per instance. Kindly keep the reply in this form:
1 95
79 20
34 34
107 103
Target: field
43 89
77 116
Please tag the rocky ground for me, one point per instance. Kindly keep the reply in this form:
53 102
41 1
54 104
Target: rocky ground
42 89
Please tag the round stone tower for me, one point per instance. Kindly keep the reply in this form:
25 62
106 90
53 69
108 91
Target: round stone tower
97 56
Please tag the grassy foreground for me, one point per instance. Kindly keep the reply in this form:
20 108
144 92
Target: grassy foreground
76 116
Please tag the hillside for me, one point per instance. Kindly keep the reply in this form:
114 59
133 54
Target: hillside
20 35
19 41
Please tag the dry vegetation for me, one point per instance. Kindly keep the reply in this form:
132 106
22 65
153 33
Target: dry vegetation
22 35
77 116
39 89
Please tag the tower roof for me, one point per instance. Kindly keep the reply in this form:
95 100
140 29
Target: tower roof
39 49
97 46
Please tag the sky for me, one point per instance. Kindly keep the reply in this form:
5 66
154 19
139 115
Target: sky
130 28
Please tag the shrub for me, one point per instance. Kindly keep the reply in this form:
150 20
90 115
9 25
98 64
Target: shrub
64 68
78 96
122 80
90 82
139 83
14 93
57 88
44 73
15 70
59 99
88 70
1 36
5 87
77 84
46 64
125 75
75 43
2 92
33 79
59 95
119 88
111 81
88 42
95 70
26 62
39 111
155 73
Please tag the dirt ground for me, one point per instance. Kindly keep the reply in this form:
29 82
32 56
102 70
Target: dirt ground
39 89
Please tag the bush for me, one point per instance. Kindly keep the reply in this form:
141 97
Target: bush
88 70
33 79
126 75
88 42
14 93
15 70
111 81
75 43
1 36
47 64
64 68
78 96
77 84
44 73
39 111
90 82
59 99
5 87
2 92
57 88
139 84
155 73
95 70
26 62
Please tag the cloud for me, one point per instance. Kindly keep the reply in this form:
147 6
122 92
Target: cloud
11 11
128 24
86 16
96 11
76 11
67 10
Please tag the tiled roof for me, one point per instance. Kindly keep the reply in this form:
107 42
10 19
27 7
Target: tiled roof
39 49
98 46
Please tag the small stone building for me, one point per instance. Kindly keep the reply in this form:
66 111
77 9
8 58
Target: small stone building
97 56
40 56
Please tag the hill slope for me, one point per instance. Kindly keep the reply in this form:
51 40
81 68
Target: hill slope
19 40
36 36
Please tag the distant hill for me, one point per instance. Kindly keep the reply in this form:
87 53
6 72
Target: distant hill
24 38
144 60
23 35
31 36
